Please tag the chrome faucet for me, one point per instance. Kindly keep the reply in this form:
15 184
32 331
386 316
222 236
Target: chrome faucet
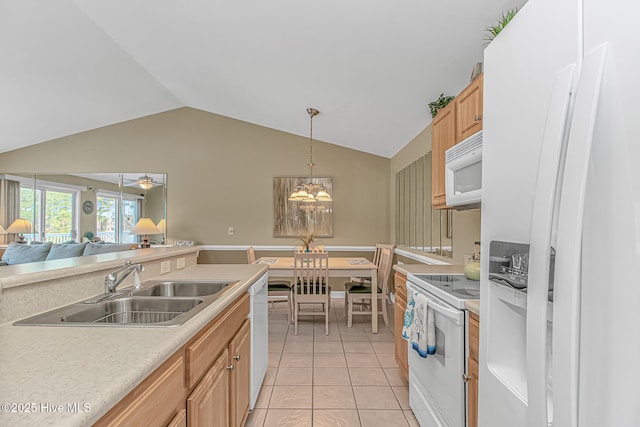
113 279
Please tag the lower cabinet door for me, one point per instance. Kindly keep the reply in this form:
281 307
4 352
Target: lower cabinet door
472 393
208 405
180 420
240 352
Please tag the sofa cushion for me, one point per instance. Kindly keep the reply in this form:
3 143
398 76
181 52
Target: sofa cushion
66 250
105 248
20 253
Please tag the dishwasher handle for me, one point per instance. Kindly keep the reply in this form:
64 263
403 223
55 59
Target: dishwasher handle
439 307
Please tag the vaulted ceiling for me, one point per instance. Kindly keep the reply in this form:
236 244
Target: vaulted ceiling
370 67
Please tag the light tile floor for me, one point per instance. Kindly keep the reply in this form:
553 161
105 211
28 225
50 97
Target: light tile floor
347 378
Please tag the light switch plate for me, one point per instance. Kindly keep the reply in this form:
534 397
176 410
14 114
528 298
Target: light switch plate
165 267
180 262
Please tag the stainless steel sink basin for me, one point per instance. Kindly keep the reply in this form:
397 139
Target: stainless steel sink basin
133 310
157 303
182 288
123 311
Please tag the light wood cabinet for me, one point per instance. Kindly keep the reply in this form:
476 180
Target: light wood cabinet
455 122
155 402
469 110
205 383
443 137
399 307
208 405
240 387
472 370
179 420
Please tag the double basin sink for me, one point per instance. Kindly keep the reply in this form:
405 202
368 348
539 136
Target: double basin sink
157 303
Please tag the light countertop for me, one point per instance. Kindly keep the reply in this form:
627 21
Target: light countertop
428 269
48 365
471 305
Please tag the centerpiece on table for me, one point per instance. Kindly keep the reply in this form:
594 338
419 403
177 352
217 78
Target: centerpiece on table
307 241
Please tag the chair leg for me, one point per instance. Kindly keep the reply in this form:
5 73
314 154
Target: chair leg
383 303
346 301
326 318
288 309
350 313
295 318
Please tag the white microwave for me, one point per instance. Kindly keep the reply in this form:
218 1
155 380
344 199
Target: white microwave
463 173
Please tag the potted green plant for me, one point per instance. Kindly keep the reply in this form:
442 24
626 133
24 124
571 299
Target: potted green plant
439 104
494 30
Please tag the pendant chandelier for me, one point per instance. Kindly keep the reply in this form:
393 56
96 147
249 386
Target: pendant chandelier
310 192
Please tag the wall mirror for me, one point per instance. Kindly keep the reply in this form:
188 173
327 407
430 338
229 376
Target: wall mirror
419 227
77 207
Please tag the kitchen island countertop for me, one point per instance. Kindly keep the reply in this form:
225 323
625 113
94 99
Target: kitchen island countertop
48 369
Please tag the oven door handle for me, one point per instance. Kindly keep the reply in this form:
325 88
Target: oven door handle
452 313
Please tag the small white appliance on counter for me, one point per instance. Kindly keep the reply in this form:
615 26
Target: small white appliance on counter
259 316
437 392
463 173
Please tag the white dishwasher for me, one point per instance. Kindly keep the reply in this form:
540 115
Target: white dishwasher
259 316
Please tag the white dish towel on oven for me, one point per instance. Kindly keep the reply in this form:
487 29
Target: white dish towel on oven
419 324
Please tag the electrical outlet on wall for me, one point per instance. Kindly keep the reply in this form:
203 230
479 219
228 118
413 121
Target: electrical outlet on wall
231 231
180 262
165 267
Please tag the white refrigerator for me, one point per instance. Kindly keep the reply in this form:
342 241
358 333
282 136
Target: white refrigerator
560 299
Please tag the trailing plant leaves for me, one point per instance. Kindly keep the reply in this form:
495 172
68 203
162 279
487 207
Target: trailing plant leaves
494 30
439 103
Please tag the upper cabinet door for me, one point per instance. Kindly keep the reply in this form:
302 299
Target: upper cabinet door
469 110
443 137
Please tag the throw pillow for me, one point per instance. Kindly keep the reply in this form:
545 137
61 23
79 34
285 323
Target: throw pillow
66 250
105 248
21 253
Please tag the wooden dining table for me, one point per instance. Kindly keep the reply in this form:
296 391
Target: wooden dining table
338 267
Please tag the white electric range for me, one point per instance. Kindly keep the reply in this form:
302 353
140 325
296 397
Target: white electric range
437 392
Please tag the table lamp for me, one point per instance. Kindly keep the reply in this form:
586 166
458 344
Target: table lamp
144 227
162 226
19 227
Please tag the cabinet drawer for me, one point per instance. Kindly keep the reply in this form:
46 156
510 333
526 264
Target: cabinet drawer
474 336
155 402
201 354
400 283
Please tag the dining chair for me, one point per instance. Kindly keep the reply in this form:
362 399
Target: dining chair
376 260
358 293
278 290
311 285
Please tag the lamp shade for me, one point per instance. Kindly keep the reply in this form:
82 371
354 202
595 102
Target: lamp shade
2 230
20 226
162 226
145 226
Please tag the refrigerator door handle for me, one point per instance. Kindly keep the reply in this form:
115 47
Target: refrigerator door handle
545 202
566 304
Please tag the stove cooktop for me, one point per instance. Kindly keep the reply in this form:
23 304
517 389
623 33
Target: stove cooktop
453 288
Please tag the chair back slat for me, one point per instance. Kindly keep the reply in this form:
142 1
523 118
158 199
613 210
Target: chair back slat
384 269
311 272
251 255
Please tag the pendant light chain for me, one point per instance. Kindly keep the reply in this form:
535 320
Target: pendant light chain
312 112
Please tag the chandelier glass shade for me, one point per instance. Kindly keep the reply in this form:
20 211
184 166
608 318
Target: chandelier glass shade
310 192
145 182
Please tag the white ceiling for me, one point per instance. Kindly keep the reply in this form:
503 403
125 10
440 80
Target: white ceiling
370 67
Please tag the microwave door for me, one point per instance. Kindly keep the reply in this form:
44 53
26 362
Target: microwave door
463 180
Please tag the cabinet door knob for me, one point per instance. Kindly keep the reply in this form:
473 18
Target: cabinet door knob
466 378
477 118
230 367
236 357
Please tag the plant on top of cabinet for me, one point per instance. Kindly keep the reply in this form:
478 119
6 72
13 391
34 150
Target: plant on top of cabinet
494 30
439 104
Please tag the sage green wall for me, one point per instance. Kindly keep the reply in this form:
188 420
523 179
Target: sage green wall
466 224
220 174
